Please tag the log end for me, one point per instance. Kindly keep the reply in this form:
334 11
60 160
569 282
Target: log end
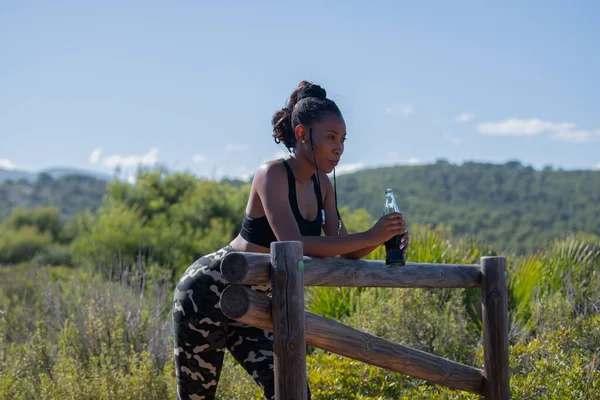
234 267
234 301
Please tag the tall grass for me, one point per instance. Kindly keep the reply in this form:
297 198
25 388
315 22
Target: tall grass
427 245
569 270
71 333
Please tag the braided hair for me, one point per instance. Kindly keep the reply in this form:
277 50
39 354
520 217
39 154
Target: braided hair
307 104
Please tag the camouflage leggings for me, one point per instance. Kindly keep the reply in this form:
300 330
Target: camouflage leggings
202 332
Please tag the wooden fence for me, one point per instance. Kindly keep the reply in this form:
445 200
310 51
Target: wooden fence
288 271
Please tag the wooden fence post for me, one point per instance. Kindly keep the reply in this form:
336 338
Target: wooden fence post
495 328
287 280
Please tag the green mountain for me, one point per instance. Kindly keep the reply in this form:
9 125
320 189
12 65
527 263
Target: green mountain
55 172
510 206
513 207
69 193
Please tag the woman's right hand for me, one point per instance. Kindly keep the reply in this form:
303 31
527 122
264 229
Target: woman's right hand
386 228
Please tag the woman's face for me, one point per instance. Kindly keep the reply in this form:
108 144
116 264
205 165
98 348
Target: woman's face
328 137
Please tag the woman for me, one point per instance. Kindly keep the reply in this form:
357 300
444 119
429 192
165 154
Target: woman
311 126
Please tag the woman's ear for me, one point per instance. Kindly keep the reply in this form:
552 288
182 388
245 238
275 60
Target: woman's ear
300 132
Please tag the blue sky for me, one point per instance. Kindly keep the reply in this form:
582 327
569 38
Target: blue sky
192 84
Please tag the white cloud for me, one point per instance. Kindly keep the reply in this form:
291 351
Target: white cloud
596 167
412 161
452 139
199 158
243 173
235 147
115 160
6 164
95 155
349 168
217 172
522 127
400 109
563 131
239 172
280 154
464 117
395 159
572 136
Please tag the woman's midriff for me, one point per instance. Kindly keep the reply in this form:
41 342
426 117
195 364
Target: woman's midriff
241 244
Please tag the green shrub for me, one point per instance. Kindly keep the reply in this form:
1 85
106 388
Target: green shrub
21 245
432 320
332 377
45 219
68 333
54 254
44 370
563 364
235 383
332 302
569 271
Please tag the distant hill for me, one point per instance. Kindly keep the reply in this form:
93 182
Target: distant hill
56 172
15 175
69 193
508 205
511 206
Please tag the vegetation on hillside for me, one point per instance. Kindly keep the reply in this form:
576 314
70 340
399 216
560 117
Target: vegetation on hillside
71 194
514 208
86 303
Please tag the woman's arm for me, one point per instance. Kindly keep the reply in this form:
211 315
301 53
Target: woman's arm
331 220
274 198
357 254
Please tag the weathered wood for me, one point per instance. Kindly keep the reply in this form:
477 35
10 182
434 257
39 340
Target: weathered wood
495 328
236 301
289 345
349 342
234 268
253 269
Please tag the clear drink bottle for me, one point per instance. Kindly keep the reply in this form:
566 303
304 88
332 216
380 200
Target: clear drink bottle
394 247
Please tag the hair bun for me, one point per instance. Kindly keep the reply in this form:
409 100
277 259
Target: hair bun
312 91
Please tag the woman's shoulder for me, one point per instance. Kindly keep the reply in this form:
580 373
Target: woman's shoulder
270 171
270 167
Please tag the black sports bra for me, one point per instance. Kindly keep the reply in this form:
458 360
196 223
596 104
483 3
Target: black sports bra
258 230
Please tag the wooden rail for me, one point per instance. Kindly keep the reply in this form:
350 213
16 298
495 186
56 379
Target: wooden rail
255 269
289 271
